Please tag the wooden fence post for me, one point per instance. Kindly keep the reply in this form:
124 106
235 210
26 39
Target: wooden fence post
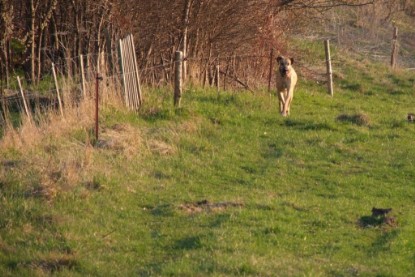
178 80
57 89
329 68
24 100
394 47
271 60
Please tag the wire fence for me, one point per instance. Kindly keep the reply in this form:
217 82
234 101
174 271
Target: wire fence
76 76
201 70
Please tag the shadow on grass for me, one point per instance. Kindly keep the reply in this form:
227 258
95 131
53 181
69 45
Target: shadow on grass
370 221
48 265
188 243
222 99
151 269
273 151
383 242
156 114
351 86
401 82
162 210
219 220
50 252
308 126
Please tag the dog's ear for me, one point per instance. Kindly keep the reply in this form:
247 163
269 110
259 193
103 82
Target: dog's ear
279 59
292 60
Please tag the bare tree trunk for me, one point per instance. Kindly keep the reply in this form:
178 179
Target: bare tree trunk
165 73
186 13
99 44
4 41
178 79
39 57
108 50
394 47
32 41
68 57
207 70
271 67
6 64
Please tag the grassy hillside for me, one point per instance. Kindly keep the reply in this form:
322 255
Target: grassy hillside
367 30
222 187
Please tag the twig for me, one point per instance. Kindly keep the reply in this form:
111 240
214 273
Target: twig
237 80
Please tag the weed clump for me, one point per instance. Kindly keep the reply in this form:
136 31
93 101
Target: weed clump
359 119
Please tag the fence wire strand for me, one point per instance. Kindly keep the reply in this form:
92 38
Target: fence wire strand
234 67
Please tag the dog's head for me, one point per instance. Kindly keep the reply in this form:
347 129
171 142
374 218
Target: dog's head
284 65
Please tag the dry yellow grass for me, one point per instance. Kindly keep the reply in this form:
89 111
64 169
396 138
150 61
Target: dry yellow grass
122 138
59 150
48 149
160 147
50 124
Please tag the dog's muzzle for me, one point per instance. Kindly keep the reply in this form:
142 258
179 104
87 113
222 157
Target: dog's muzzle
283 72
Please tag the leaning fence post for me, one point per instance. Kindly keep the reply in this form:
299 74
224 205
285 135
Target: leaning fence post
57 89
130 64
24 100
394 47
137 75
178 82
329 68
123 72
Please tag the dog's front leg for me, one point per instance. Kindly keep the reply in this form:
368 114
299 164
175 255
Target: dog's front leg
281 98
287 103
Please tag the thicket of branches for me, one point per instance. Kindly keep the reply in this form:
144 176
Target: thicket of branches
35 33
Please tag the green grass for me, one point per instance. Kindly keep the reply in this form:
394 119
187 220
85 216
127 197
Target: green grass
306 185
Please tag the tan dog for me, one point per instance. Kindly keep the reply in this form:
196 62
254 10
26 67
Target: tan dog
286 81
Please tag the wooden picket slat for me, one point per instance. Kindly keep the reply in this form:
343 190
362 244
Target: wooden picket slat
131 78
